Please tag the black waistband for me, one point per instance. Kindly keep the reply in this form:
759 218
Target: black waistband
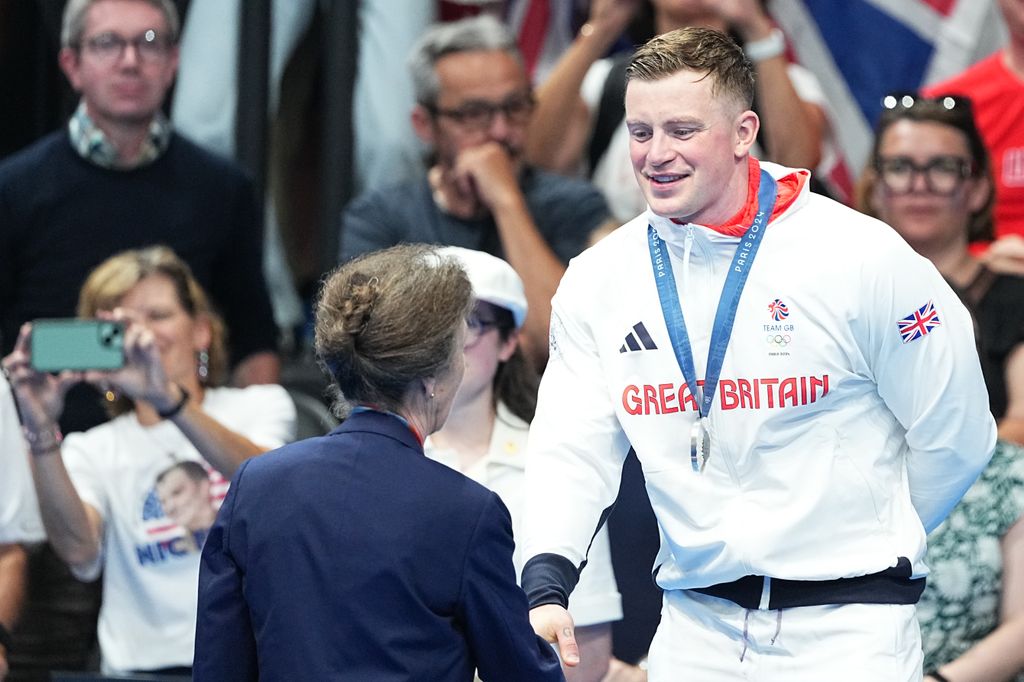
891 586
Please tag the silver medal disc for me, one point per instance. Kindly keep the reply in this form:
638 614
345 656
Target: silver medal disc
700 446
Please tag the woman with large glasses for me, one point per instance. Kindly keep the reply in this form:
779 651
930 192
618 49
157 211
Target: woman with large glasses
928 177
485 438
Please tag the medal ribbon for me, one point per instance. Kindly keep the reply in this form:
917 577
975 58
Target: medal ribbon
671 309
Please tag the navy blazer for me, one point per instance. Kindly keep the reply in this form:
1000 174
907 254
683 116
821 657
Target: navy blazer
354 557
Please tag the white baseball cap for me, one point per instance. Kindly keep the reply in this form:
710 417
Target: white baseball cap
493 280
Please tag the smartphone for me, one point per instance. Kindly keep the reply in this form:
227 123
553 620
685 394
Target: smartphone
70 343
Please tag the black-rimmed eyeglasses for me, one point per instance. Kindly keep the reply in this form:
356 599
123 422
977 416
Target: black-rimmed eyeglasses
109 47
942 174
480 115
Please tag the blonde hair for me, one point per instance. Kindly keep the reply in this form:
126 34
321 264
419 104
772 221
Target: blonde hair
108 283
702 50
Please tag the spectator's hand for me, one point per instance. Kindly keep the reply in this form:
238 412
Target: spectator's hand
39 395
612 17
142 377
554 624
1006 255
619 671
488 172
748 17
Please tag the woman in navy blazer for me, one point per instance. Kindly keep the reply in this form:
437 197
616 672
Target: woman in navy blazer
352 556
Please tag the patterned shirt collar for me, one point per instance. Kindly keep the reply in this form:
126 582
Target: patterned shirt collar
92 144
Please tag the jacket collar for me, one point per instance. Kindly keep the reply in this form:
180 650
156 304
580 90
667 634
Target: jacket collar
380 423
791 183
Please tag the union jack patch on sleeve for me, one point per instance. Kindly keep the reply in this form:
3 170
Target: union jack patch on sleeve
919 323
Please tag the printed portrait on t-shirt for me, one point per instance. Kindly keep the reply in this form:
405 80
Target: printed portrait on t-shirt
178 510
184 490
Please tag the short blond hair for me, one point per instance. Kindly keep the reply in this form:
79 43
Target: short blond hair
701 50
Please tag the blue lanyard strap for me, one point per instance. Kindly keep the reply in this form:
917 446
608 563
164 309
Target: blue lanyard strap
671 309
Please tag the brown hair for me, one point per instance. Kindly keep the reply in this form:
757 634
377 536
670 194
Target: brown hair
515 380
108 283
948 110
388 318
702 50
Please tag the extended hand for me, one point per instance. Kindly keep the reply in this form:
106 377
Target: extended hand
554 624
1006 255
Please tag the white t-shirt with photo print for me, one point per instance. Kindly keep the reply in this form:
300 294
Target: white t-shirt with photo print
150 564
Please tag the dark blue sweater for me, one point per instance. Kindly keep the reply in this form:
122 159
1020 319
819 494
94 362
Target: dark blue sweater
60 216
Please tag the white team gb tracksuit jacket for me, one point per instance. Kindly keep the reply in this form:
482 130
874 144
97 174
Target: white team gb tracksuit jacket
836 444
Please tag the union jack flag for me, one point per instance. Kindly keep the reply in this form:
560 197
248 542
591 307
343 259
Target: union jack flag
919 323
778 310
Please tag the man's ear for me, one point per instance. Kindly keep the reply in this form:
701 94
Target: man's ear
423 124
67 58
746 127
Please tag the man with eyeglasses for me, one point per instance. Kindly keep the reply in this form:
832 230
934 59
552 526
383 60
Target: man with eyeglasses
118 177
474 106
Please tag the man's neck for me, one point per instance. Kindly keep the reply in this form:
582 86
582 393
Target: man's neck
126 139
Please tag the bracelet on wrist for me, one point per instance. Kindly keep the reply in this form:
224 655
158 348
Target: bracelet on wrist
176 407
935 674
774 45
42 442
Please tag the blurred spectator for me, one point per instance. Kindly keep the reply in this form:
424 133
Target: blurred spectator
578 122
19 519
119 177
474 103
929 178
485 438
971 616
98 491
995 86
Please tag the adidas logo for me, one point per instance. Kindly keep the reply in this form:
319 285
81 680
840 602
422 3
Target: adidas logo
637 338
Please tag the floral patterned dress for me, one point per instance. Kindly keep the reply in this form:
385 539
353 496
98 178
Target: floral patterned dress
960 604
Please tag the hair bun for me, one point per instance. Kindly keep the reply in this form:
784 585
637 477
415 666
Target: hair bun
358 304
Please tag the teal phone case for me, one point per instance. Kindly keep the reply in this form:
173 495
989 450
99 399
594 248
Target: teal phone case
68 343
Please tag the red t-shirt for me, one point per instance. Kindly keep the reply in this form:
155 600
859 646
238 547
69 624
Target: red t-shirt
998 99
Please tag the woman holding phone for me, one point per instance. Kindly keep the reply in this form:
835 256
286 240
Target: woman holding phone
98 490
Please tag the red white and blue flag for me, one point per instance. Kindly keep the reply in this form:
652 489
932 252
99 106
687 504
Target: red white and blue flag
919 323
862 50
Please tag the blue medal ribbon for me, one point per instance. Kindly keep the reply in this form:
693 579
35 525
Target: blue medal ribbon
671 309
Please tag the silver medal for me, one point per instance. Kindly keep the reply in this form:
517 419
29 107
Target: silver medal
700 446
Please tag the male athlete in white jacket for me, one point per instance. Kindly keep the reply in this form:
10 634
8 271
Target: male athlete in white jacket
838 417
